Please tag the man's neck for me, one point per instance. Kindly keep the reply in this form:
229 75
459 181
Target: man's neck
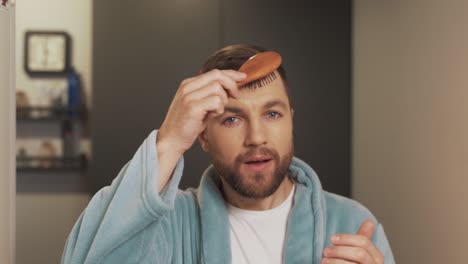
272 201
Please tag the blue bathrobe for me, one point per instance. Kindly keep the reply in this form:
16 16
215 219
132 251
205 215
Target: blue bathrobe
130 222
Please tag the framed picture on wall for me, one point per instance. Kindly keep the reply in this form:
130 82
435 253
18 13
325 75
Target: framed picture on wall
47 53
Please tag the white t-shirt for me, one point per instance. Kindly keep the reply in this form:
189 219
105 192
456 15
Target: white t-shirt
258 236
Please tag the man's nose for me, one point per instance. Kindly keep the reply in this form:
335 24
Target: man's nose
255 134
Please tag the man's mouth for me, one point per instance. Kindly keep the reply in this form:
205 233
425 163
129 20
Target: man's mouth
258 163
258 159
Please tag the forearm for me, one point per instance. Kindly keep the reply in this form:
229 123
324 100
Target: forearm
119 211
167 159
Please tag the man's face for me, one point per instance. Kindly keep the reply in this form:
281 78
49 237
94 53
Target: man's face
251 143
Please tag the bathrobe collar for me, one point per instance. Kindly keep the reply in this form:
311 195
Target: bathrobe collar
306 224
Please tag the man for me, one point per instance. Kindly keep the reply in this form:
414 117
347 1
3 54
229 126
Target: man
255 204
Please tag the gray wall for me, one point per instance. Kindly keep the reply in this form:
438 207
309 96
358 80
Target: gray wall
142 51
410 160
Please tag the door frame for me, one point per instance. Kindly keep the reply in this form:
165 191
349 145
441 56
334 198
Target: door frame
7 139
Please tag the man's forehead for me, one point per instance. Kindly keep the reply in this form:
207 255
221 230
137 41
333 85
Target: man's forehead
274 90
271 79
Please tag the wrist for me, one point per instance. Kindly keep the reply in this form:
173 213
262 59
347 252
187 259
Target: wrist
167 157
165 146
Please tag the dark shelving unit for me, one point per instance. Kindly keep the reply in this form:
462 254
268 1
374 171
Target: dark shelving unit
65 117
44 164
40 114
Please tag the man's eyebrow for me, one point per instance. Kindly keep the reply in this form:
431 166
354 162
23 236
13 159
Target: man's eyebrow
270 104
232 109
273 103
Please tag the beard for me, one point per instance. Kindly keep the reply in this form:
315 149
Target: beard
256 185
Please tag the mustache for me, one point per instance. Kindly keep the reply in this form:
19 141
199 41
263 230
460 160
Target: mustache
257 151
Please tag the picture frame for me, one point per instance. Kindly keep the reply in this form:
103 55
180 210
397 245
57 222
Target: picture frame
47 53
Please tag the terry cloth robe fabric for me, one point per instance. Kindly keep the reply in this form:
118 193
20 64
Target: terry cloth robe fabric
130 222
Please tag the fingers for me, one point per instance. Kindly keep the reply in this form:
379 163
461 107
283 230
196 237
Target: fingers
212 103
358 241
227 78
186 81
236 75
367 229
213 88
211 98
335 261
348 253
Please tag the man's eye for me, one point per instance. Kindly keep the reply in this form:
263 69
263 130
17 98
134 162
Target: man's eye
230 120
273 115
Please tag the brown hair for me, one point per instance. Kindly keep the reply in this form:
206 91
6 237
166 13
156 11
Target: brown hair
232 57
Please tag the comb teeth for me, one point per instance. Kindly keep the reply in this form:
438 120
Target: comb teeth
261 82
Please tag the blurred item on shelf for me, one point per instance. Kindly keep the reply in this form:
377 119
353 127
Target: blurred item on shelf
22 102
47 150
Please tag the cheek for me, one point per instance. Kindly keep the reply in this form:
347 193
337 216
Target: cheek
223 144
281 136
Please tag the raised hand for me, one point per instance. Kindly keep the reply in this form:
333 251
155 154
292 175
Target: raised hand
354 248
195 98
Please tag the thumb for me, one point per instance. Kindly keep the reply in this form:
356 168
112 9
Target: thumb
367 229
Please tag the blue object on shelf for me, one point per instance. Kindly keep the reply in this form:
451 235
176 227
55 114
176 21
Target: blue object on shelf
73 93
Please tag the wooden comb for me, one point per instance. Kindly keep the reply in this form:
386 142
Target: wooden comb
260 66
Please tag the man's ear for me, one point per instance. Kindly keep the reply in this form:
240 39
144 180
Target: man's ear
203 141
292 112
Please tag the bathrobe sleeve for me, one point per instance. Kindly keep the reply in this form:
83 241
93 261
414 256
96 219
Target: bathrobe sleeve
380 240
118 213
346 216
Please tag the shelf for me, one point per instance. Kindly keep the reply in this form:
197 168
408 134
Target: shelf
37 113
46 164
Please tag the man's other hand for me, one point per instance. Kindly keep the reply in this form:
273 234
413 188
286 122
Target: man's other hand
354 248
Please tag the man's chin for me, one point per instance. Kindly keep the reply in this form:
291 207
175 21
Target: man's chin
256 185
255 180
